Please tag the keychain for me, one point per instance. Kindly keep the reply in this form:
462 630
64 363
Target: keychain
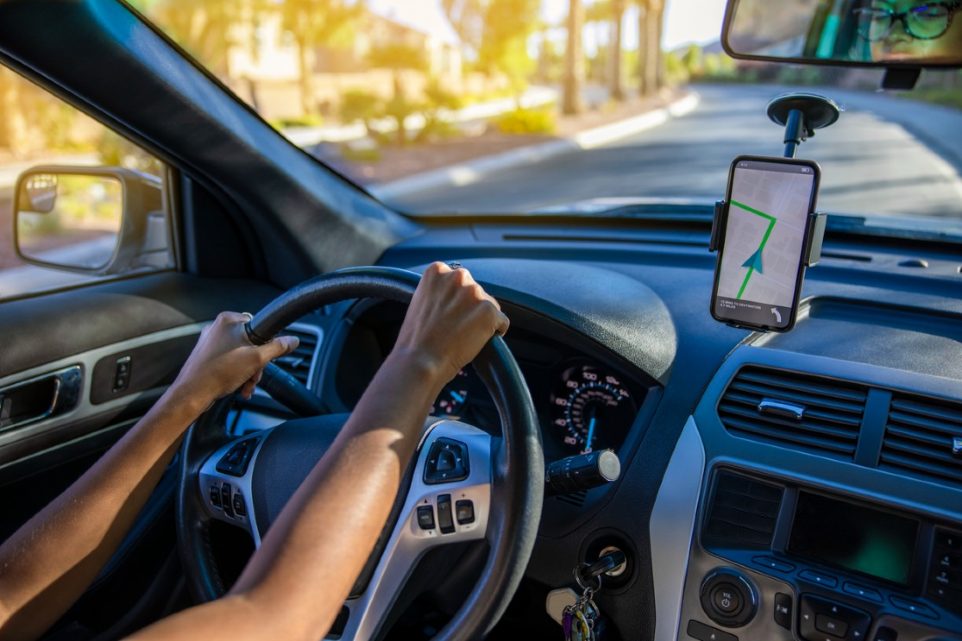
579 616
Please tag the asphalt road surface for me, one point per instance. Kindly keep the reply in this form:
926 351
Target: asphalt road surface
886 155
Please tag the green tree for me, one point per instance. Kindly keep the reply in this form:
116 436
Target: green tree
357 104
504 49
202 28
571 102
313 24
398 57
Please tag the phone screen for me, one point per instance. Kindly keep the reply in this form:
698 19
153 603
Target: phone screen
760 265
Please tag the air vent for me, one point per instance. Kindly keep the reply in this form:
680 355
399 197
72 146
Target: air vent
797 410
300 361
743 513
923 437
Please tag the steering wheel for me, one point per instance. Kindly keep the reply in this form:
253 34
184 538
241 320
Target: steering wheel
462 485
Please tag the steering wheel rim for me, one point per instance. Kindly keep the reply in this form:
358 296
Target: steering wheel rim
516 459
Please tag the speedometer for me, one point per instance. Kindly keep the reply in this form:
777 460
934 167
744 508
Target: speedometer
591 409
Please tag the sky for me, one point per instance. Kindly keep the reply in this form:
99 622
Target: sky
686 20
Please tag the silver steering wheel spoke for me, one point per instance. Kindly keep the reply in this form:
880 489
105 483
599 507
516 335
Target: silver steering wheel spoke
452 483
225 483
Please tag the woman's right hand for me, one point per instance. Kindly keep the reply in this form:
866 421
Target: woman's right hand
449 320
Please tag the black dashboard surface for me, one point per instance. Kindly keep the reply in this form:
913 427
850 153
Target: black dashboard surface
643 293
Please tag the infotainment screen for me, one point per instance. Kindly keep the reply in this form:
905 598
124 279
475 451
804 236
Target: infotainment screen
854 537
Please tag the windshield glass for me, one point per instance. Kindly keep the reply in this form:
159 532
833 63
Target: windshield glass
515 106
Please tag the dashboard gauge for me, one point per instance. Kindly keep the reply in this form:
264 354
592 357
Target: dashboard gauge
453 400
591 409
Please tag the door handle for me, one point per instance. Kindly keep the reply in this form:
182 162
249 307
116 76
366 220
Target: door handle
40 397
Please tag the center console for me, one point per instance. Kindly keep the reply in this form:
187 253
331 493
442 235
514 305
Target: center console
776 559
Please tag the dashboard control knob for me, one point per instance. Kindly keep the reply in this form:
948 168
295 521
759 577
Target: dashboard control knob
729 598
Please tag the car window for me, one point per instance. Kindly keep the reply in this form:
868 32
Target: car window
78 203
489 106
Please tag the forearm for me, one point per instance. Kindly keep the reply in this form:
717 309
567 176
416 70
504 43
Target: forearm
299 578
320 542
49 562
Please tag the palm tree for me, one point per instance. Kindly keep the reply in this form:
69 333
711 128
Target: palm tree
615 85
650 17
574 60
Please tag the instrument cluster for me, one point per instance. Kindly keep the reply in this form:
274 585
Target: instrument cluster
583 406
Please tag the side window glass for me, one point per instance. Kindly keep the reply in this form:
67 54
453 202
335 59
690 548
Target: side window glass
78 203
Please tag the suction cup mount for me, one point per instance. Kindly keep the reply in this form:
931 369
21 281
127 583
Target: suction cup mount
801 114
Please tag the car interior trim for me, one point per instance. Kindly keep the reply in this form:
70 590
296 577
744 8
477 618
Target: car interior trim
672 527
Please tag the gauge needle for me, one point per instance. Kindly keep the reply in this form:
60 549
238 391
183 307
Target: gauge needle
591 434
457 397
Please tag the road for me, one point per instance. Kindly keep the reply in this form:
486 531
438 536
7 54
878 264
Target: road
883 156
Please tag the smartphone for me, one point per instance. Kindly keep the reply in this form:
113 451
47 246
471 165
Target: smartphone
763 238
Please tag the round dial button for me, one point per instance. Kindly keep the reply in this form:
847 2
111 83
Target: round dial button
728 598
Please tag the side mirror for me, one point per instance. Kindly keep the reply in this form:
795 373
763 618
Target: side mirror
95 220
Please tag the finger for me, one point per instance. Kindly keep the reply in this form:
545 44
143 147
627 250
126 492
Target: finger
502 323
247 389
258 376
231 317
278 346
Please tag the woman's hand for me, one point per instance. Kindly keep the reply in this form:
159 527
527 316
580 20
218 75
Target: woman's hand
224 360
450 319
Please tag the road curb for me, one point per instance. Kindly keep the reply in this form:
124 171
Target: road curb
472 171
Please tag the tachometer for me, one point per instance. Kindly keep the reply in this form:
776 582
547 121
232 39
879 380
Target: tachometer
592 409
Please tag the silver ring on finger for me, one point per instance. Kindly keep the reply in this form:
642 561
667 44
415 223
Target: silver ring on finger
455 265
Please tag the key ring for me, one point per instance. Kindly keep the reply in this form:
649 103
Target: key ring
592 584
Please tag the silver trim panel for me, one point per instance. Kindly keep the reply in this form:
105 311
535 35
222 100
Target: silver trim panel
672 526
86 361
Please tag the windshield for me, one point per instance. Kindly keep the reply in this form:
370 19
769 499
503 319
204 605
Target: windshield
516 106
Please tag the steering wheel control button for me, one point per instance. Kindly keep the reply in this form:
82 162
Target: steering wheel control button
860 590
915 607
771 563
426 517
818 578
445 520
464 512
828 625
447 462
783 610
225 499
235 461
702 632
238 503
824 620
215 496
728 598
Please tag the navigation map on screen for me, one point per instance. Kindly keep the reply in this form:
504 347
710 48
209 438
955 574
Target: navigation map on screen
767 217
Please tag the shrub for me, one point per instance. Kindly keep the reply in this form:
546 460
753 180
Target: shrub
357 104
305 120
526 121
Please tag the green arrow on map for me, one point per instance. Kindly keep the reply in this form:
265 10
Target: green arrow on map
754 262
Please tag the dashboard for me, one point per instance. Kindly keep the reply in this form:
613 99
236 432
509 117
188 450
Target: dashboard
789 487
586 399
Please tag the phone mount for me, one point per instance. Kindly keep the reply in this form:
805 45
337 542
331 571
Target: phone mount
801 114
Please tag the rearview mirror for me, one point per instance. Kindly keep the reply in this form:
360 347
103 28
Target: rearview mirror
99 220
876 33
